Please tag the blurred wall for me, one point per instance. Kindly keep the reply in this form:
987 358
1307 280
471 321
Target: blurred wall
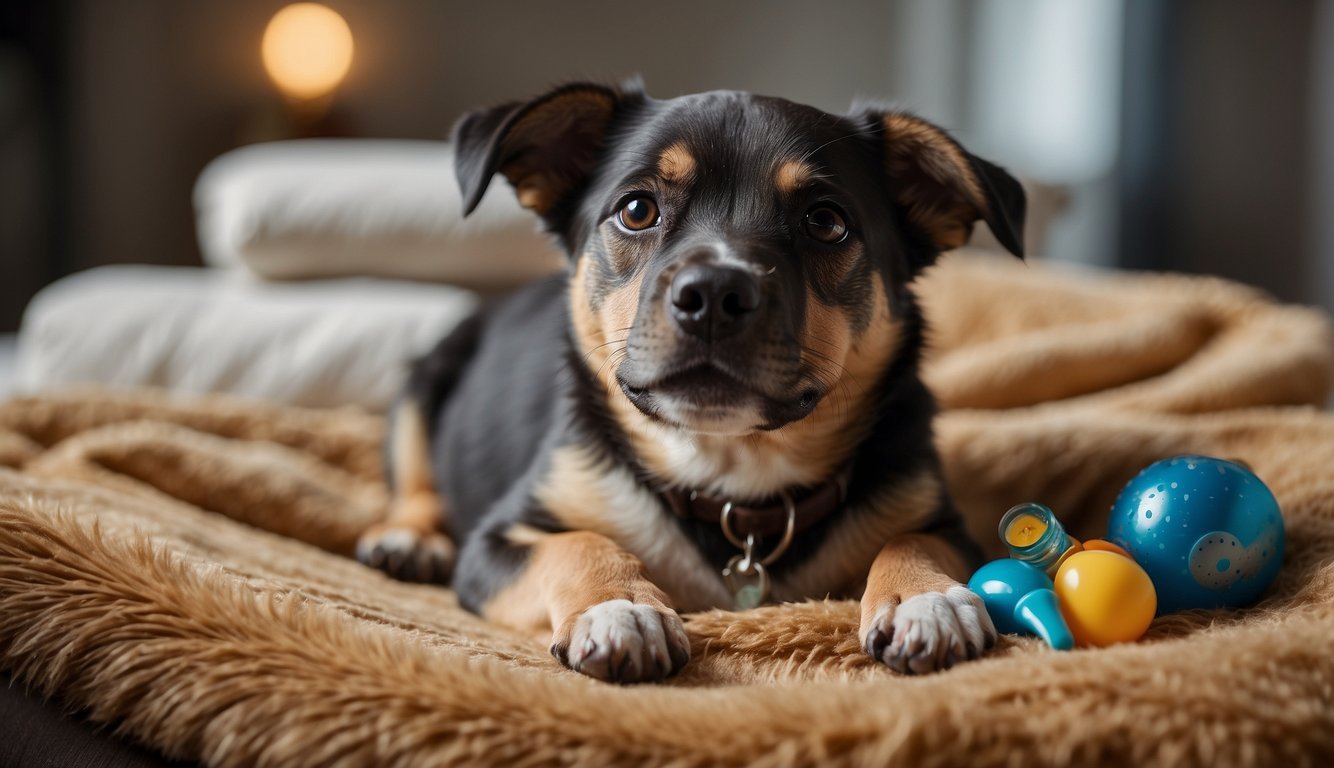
1220 159
1319 212
30 168
24 197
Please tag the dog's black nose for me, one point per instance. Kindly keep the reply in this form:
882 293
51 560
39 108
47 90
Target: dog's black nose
713 302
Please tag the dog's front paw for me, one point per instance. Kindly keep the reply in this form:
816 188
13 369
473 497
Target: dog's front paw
407 553
929 632
623 642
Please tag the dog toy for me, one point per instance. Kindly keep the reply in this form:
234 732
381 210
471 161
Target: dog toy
1036 537
1101 595
1105 597
1187 532
1208 532
1020 598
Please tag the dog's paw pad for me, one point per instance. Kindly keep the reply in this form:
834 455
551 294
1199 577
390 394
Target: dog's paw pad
930 632
624 642
407 553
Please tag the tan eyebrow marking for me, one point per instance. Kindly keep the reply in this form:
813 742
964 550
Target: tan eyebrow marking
793 174
909 138
676 165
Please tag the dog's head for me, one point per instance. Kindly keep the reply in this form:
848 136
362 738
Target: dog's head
738 262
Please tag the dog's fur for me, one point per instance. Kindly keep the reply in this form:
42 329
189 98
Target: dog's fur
716 331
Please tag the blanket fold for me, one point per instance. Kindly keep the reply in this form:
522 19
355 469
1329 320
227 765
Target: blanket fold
177 568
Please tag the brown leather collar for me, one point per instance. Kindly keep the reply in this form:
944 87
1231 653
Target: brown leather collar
767 517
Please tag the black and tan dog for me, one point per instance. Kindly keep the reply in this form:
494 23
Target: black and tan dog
719 402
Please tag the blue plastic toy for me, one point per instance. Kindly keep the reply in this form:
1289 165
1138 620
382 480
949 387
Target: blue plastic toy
1021 599
1207 531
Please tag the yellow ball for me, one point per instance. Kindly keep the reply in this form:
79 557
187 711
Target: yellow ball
1105 598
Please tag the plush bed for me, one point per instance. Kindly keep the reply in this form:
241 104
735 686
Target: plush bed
175 569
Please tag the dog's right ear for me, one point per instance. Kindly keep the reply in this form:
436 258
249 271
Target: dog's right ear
545 147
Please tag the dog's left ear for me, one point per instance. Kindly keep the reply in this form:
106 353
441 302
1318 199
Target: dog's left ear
942 189
544 147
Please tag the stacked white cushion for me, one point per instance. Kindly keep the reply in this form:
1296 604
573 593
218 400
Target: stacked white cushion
318 208
317 343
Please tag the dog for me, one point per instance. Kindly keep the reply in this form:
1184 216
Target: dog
718 403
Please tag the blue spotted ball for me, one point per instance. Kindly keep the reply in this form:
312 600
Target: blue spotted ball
1207 531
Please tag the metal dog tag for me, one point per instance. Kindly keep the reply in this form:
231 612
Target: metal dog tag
747 581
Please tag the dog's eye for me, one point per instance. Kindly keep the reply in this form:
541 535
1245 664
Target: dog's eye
826 224
638 214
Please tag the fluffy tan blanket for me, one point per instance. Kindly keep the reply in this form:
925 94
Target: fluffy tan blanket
157 570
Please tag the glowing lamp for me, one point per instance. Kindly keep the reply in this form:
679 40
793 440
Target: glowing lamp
307 50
